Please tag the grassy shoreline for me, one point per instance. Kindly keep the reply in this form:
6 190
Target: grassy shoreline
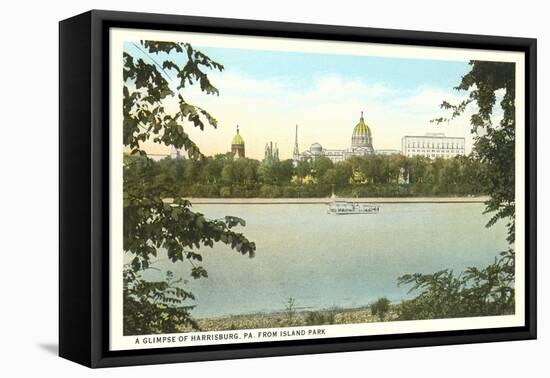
298 318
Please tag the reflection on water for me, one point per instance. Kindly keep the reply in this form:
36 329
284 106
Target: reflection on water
328 260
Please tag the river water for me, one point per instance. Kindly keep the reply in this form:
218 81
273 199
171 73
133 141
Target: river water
328 261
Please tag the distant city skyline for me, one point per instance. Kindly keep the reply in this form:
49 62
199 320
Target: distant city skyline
268 93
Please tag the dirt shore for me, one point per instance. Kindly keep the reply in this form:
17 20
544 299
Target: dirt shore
296 319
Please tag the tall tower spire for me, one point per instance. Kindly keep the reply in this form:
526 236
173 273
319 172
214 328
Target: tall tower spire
296 152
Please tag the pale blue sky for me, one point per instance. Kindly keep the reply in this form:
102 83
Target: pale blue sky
303 68
268 92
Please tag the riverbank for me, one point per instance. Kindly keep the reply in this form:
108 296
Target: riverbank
292 319
388 200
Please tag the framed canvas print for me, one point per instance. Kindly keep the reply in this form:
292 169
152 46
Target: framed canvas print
233 188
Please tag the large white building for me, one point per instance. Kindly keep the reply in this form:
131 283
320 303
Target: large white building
432 145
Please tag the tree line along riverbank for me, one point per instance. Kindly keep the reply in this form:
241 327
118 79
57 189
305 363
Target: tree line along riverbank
222 176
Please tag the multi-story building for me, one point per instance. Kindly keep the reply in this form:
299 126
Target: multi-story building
432 145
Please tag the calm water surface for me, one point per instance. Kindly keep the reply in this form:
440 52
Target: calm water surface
325 260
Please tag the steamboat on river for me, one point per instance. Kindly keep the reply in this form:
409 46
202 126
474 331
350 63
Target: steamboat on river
339 206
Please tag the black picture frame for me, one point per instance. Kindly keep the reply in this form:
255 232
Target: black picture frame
84 194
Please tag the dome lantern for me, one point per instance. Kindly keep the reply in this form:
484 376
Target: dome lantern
237 139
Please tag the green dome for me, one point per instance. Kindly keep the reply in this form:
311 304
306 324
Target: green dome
237 139
361 129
